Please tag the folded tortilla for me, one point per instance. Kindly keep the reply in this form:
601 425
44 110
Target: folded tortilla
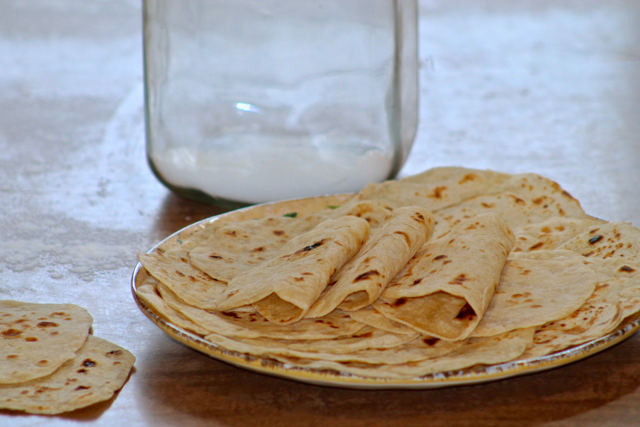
447 286
361 281
284 288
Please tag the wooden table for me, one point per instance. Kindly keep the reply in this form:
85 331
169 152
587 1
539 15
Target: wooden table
542 86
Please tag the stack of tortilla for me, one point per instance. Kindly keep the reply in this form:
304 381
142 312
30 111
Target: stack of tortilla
49 362
441 271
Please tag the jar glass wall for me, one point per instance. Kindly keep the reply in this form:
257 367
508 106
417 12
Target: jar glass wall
251 101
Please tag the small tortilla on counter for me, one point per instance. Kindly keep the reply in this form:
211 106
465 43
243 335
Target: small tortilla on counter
284 288
447 286
36 339
361 280
99 370
536 289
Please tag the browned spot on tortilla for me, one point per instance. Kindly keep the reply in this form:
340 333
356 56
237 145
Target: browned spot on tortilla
311 247
430 341
466 313
439 257
459 280
525 272
407 239
31 339
420 217
399 302
366 275
278 232
415 282
536 246
595 239
437 192
47 324
467 177
364 335
627 269
11 333
230 314
518 200
488 205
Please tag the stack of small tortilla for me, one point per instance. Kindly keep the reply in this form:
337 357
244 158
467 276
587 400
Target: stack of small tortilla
49 363
440 271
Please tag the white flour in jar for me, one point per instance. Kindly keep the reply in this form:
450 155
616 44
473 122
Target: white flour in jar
254 170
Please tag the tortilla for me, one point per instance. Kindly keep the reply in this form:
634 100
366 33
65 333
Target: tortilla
535 290
415 350
373 211
433 195
516 210
365 339
239 246
99 370
551 233
174 269
611 240
251 324
36 339
616 297
361 280
540 190
284 288
473 351
372 317
447 286
148 293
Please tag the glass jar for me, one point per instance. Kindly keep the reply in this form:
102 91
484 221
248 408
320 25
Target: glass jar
251 101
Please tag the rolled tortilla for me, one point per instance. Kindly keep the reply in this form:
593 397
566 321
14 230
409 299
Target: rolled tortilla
284 288
361 281
446 288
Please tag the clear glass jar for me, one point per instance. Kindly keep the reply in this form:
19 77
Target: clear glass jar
250 101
